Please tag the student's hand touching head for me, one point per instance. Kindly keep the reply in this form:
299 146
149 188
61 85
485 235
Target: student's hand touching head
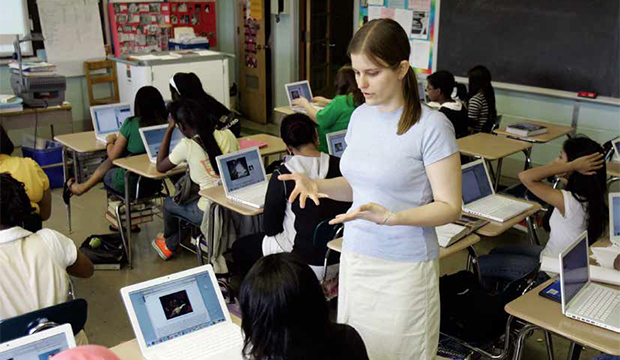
587 165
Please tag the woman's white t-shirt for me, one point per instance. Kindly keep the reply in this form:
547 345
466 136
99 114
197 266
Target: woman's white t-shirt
565 229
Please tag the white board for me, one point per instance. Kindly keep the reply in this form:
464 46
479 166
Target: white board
72 32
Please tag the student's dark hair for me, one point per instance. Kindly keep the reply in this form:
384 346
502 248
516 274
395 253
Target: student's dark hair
297 130
480 82
150 107
190 87
442 80
346 84
6 145
283 308
461 91
589 190
192 115
386 44
14 201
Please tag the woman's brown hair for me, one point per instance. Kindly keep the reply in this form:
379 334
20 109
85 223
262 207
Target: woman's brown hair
346 84
386 44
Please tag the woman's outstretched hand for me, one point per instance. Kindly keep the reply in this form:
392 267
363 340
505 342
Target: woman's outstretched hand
304 188
372 212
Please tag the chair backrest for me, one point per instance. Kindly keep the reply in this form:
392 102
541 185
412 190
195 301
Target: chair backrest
72 312
105 74
324 233
609 150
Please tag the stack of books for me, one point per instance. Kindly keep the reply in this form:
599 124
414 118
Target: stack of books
450 233
526 129
34 68
140 213
10 103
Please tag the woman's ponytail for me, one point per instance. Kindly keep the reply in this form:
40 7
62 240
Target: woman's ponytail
413 109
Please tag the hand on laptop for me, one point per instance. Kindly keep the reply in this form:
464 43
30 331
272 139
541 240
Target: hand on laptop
111 139
304 188
301 102
372 212
321 100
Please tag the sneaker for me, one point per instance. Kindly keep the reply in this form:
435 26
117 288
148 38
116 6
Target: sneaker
159 245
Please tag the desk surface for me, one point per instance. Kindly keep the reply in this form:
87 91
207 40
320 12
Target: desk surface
217 195
613 168
489 146
495 228
82 142
554 131
275 145
547 314
286 110
130 350
141 165
65 106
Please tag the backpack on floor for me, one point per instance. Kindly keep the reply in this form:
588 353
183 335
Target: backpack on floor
107 250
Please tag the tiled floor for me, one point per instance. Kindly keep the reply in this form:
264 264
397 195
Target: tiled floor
107 321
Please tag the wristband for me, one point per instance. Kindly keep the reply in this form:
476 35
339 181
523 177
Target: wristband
386 218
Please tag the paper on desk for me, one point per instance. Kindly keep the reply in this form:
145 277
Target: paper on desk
597 273
420 54
605 256
145 57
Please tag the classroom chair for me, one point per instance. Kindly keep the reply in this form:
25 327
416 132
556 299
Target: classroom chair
609 155
496 123
72 312
324 235
101 72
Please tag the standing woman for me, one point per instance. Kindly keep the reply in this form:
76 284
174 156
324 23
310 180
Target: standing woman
402 171
481 100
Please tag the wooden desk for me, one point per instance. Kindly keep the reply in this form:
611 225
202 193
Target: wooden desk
495 228
32 117
547 314
76 147
490 147
130 350
554 131
613 171
284 110
275 145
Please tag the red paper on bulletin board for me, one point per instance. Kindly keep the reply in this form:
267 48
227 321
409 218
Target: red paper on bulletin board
198 15
139 27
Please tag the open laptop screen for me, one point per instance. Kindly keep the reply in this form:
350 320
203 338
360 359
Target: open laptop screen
155 136
475 183
176 308
110 118
337 144
615 213
242 170
37 350
575 269
298 90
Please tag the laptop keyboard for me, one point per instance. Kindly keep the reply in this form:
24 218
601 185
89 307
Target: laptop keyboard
254 195
499 207
600 303
199 347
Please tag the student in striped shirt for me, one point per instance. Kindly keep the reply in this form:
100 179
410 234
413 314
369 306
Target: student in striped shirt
481 100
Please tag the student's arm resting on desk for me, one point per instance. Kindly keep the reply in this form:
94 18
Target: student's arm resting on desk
445 208
163 162
533 178
337 189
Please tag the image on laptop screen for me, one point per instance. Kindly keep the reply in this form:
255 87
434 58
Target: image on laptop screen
43 349
575 269
154 138
242 170
615 203
337 144
176 308
299 90
109 119
475 183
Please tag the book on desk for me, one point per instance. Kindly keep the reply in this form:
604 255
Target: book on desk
450 233
526 129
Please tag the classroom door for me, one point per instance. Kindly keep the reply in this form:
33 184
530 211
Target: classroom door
254 89
326 29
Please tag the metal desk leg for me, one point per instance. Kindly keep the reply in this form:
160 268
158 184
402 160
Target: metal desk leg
528 158
523 333
549 345
574 352
531 230
128 217
210 232
65 172
499 173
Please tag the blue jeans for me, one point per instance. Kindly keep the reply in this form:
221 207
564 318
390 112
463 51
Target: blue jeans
172 213
108 180
508 263
606 357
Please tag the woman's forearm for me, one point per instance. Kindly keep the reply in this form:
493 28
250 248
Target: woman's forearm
337 189
433 214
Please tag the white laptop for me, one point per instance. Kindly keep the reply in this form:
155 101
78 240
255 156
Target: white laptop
153 136
582 299
40 346
299 89
336 143
108 119
243 177
616 145
480 199
614 218
182 316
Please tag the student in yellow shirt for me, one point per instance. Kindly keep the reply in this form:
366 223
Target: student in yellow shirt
37 184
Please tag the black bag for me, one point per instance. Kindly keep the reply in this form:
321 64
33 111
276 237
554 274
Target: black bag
111 250
467 311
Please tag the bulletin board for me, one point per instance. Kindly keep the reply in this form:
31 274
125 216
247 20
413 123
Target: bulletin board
420 19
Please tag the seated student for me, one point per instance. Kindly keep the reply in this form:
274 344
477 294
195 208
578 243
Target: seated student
34 266
37 184
337 112
149 109
439 89
285 315
579 207
86 352
481 100
188 85
288 228
202 143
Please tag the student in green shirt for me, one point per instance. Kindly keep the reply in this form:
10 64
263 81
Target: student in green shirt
149 109
337 112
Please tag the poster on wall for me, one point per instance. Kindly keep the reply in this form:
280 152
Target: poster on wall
419 19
